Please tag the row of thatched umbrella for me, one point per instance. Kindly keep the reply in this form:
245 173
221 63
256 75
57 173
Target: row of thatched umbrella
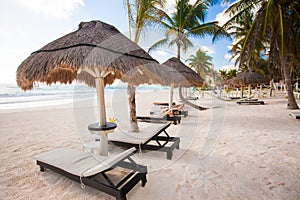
180 75
97 54
247 78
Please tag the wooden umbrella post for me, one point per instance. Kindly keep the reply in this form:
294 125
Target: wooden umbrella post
101 128
249 91
171 96
100 101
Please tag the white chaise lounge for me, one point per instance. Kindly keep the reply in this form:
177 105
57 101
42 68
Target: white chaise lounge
151 137
93 170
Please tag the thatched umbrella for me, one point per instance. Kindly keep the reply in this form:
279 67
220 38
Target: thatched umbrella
180 75
97 54
249 78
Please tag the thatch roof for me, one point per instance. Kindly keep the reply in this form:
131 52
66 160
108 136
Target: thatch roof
180 74
94 45
249 77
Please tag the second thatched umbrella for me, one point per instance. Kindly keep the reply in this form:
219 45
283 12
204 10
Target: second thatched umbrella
97 54
180 75
248 78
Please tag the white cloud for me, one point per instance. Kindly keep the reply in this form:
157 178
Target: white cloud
227 56
225 4
208 50
53 8
170 5
222 18
228 67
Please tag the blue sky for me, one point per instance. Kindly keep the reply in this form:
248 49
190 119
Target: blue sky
27 25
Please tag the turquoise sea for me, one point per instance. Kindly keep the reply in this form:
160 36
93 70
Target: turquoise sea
12 97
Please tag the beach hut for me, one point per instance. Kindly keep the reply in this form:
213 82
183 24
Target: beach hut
96 54
180 75
248 78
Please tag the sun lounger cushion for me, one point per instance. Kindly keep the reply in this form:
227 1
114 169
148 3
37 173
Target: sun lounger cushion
152 137
80 163
147 131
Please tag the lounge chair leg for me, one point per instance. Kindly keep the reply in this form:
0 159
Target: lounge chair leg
121 198
42 169
144 181
169 155
120 195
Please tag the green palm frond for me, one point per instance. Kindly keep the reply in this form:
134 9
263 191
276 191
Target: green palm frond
158 44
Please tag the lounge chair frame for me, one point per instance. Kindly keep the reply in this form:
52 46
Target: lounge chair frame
251 102
174 119
102 182
160 142
295 115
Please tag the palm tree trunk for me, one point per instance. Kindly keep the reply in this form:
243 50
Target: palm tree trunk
132 108
292 104
178 45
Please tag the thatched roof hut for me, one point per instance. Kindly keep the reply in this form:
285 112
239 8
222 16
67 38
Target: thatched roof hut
95 45
180 74
249 78
96 54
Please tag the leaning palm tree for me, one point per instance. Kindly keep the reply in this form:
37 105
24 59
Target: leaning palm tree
140 13
201 63
277 23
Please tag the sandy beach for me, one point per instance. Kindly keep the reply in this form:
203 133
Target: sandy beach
229 151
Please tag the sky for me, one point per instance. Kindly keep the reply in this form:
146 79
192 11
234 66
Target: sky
28 25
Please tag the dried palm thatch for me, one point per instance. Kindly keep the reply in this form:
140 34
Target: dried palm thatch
181 75
249 78
96 49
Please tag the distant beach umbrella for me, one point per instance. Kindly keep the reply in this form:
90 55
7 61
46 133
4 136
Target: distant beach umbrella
249 78
96 54
180 75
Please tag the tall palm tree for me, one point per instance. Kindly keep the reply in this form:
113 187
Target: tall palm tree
201 63
187 21
140 13
277 23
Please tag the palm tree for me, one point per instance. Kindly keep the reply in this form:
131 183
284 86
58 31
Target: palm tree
187 21
140 13
201 63
277 24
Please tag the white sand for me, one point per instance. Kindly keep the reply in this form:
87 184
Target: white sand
228 152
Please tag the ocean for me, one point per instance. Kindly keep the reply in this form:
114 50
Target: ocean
12 97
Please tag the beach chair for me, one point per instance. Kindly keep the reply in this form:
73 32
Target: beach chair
176 110
160 114
96 171
165 119
152 137
295 115
162 104
250 101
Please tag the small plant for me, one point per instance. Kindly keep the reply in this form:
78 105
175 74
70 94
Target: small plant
227 90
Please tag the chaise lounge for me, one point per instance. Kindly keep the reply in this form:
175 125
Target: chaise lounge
96 171
149 138
295 115
250 101
176 110
174 119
